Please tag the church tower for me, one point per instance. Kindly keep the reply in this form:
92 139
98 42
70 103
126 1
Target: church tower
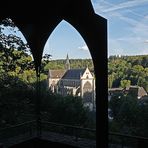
67 63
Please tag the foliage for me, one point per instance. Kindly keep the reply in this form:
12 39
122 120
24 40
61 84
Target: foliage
66 110
129 115
74 64
125 83
127 70
15 101
15 56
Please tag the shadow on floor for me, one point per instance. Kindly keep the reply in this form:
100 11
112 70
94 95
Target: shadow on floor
40 143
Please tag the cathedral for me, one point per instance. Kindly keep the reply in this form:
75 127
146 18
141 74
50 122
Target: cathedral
76 82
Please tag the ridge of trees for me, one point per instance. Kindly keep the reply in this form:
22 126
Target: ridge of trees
74 64
128 70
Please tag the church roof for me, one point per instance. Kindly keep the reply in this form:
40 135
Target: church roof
73 74
56 73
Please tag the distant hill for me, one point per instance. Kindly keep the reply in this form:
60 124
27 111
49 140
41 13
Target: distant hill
128 70
74 63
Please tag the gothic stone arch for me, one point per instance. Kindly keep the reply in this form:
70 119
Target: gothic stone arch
38 25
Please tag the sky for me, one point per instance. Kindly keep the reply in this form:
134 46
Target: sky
64 40
127 23
127 31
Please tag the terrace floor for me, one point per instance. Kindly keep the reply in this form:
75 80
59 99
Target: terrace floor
48 139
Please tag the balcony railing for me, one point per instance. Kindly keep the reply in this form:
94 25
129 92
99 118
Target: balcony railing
17 133
72 135
117 140
75 131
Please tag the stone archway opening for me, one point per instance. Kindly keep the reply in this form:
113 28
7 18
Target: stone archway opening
70 61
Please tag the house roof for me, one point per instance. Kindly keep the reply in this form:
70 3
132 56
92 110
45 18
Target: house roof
56 73
115 89
139 90
73 74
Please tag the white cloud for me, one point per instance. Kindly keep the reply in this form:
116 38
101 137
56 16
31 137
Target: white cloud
109 10
128 46
115 47
146 41
144 51
83 48
130 39
140 29
126 5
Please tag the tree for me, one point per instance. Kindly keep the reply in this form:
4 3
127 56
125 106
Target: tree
145 61
131 68
15 56
115 104
17 73
130 115
143 81
66 110
111 79
125 83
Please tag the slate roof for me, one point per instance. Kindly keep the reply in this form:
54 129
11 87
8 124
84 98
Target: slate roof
73 74
139 91
56 73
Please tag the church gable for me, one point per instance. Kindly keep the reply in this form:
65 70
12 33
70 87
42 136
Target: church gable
87 74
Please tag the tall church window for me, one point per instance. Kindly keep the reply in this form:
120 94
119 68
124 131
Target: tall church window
87 87
87 92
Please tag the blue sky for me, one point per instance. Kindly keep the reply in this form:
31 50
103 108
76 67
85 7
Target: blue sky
127 31
64 40
127 25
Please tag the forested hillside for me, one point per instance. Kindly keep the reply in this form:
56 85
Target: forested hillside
129 114
74 63
128 70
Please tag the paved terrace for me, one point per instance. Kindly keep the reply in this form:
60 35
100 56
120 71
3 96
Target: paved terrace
50 131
